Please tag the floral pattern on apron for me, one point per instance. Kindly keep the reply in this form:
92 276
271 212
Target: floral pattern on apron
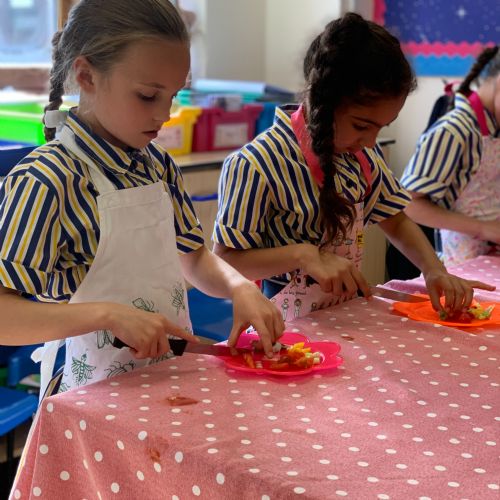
479 199
302 295
136 263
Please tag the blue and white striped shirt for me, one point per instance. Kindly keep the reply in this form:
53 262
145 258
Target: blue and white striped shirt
268 197
448 154
49 222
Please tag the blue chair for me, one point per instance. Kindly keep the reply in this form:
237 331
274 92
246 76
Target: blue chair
211 317
21 365
11 155
16 407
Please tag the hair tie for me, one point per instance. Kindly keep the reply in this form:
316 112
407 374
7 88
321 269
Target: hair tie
55 118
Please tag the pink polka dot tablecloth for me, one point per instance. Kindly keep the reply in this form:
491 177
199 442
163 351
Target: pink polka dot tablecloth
413 413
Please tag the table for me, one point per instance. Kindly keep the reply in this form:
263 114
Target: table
412 414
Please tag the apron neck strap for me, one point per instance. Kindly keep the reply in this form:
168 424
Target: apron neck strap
304 140
101 182
478 108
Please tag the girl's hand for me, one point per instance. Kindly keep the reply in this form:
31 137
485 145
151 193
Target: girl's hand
458 292
336 275
250 307
144 332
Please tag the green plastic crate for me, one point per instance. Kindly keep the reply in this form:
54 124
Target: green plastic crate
22 122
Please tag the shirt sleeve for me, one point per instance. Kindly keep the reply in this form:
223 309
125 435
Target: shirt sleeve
387 196
433 167
188 230
30 232
244 200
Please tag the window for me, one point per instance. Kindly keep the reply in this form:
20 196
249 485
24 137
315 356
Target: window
26 30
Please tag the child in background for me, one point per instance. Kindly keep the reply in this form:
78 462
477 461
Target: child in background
297 196
454 175
96 224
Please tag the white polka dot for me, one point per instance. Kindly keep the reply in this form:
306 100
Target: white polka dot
142 435
383 496
440 468
98 456
196 490
299 490
83 425
248 456
178 456
37 491
157 467
50 409
324 461
493 486
341 493
401 466
115 487
466 455
44 449
212 451
363 464
254 471
17 494
110 417
85 464
453 484
64 475
372 479
412 481
120 445
390 451
140 475
479 471
220 478
281 445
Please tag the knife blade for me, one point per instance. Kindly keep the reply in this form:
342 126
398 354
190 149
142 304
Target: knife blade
179 346
387 293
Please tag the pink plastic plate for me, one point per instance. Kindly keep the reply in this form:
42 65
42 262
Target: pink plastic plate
329 355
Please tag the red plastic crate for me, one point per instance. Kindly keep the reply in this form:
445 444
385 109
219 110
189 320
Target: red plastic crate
217 129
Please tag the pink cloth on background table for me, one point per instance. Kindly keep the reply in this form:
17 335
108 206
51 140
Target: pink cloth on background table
412 413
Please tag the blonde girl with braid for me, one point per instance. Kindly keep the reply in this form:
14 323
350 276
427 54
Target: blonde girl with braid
96 224
294 201
454 175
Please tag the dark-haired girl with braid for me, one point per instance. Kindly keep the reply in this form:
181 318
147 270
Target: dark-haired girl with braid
96 224
454 175
293 202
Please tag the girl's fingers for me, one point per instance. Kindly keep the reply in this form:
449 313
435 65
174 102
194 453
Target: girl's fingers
434 297
481 285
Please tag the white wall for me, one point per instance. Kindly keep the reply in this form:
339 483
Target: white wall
291 25
412 121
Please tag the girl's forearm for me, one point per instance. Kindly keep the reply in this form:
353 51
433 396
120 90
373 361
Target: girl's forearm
24 322
424 212
261 263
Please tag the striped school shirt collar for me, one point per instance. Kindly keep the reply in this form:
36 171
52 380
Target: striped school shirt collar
106 155
462 103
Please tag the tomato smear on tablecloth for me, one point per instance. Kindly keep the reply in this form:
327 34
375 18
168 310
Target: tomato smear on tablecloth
177 400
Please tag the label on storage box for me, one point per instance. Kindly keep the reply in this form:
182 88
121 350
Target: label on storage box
170 137
229 135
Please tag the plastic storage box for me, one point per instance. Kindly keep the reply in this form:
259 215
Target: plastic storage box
176 135
266 118
22 122
217 129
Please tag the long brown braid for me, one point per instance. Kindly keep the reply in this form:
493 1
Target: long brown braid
487 59
101 30
351 61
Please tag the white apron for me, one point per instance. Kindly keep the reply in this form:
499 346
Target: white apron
301 295
136 263
480 198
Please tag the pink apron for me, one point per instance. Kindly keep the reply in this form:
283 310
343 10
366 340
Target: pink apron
300 296
480 198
